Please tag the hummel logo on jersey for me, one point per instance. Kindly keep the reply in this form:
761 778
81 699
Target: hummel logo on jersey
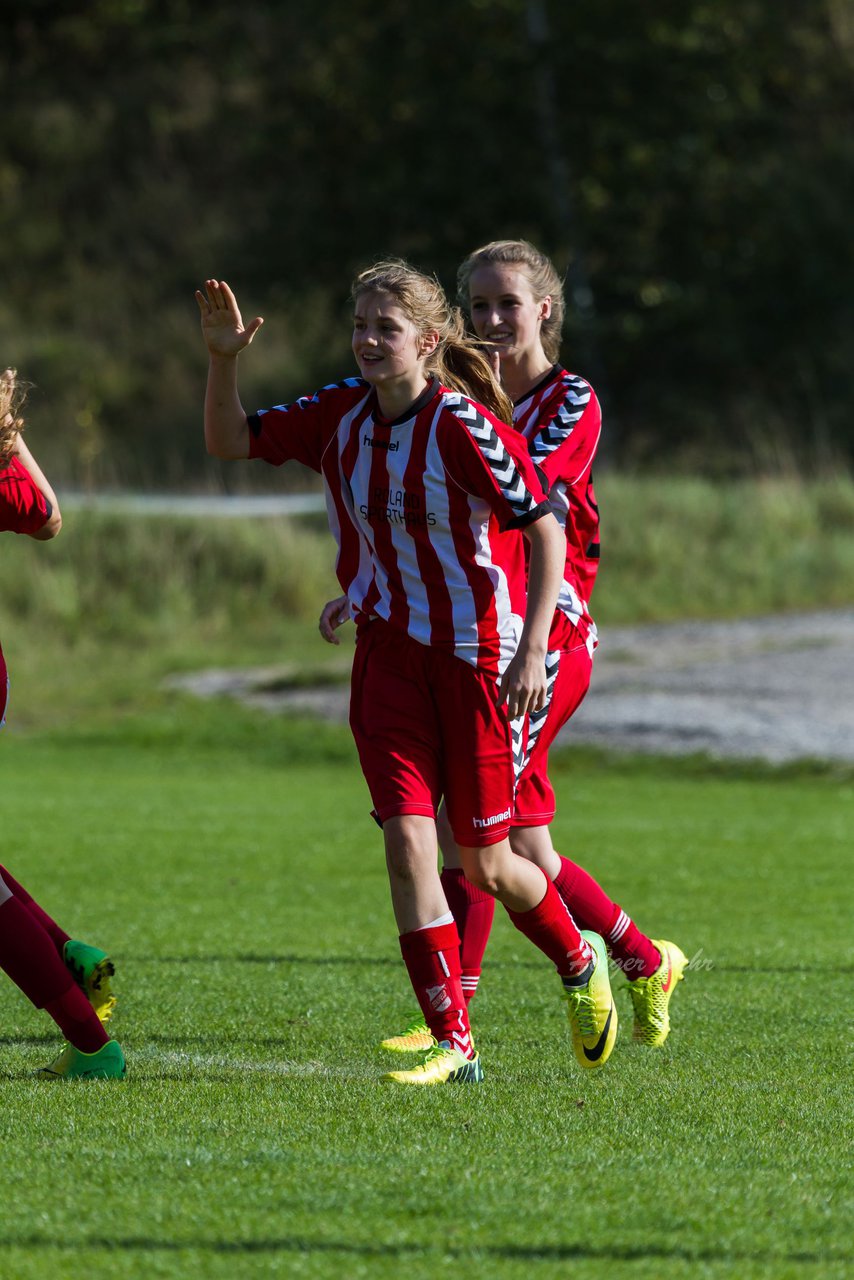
439 998
493 821
391 445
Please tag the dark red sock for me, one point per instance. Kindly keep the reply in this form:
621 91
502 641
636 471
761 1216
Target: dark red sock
30 959
593 909
474 910
432 959
51 928
551 928
78 1021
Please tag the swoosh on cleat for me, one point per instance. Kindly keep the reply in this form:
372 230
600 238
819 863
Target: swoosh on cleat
594 1054
665 986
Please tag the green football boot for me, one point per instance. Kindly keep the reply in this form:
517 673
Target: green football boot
108 1063
92 970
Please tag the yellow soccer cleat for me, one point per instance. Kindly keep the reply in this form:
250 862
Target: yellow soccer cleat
591 1009
415 1038
108 1063
441 1065
651 996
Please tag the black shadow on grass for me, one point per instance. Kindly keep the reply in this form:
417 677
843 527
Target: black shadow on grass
550 1253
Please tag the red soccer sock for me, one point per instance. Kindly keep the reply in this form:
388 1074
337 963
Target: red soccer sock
593 909
632 950
30 959
51 928
474 910
551 928
432 959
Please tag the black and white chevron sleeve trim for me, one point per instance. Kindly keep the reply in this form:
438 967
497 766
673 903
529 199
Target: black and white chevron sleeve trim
553 434
501 463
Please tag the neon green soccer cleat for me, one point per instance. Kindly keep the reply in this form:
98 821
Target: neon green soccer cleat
108 1063
415 1038
591 1009
441 1065
651 996
92 969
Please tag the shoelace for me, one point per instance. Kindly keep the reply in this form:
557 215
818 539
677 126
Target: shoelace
585 1011
434 1052
415 1024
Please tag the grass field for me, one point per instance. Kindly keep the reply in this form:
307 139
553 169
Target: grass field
228 863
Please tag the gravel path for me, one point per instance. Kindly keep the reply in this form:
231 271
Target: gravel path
773 688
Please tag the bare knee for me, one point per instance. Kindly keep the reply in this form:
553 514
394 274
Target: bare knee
410 847
486 868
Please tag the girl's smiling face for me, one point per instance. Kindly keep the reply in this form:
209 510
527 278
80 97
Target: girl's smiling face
504 311
386 343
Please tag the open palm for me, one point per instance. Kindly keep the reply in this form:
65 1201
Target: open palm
222 324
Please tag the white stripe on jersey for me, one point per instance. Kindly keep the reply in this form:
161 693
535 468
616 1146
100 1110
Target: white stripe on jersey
463 611
509 623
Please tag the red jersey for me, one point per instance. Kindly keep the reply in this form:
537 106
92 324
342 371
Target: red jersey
23 507
417 506
561 422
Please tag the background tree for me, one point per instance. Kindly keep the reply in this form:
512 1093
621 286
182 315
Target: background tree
685 163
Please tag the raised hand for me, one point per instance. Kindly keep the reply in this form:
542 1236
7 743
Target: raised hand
222 324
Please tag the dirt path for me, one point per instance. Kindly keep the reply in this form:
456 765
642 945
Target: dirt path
778 689
775 688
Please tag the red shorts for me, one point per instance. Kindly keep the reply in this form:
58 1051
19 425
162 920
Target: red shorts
429 725
569 679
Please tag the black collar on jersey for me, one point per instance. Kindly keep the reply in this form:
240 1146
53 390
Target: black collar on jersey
428 394
544 381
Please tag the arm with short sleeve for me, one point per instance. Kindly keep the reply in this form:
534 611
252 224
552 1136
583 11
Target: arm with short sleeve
52 523
23 506
564 446
490 460
500 471
300 431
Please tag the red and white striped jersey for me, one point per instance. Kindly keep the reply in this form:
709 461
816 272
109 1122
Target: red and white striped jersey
561 422
417 506
23 507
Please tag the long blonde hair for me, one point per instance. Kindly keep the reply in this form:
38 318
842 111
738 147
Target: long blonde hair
542 277
458 361
11 425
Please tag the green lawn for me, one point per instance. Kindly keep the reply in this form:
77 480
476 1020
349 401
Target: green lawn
228 863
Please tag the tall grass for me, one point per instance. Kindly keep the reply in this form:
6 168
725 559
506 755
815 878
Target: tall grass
119 600
679 548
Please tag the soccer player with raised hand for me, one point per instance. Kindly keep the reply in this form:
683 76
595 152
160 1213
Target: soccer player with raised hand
430 495
67 978
514 298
